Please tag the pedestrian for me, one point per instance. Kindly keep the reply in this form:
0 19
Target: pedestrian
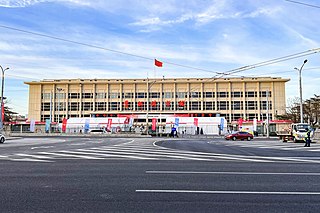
307 138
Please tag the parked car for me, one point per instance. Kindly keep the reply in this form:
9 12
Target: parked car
239 135
2 138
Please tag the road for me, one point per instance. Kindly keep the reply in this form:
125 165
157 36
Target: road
158 175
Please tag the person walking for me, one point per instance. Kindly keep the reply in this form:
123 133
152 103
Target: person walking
307 138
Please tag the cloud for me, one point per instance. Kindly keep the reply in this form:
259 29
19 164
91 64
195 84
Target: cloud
26 3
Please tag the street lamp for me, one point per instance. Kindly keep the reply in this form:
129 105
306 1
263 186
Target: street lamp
59 90
2 88
300 87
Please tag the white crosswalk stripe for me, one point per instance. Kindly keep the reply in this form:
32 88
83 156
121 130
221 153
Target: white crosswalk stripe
147 151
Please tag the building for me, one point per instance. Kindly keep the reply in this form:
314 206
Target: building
232 98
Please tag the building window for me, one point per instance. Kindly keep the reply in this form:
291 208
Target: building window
127 105
209 94
263 105
251 105
223 105
208 105
60 106
140 105
182 95
87 106
195 105
251 94
45 117
74 95
74 106
195 95
141 95
236 94
127 95
114 95
114 106
167 105
100 95
181 105
223 94
252 116
100 106
154 95
45 106
45 96
264 93
236 105
87 95
168 95
236 117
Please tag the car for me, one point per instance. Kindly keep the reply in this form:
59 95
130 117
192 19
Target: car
2 138
239 135
97 131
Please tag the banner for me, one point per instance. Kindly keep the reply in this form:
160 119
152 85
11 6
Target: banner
176 122
87 125
254 124
32 125
154 124
109 124
221 124
48 125
195 122
64 125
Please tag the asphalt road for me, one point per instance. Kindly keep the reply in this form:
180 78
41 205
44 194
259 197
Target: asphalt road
150 175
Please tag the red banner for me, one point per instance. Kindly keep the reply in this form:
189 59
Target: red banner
109 124
195 122
64 124
154 124
2 112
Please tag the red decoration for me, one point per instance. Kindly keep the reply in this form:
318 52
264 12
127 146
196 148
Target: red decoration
140 103
126 104
181 103
168 103
154 103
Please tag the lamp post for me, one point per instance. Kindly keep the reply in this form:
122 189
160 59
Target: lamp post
300 89
2 88
59 90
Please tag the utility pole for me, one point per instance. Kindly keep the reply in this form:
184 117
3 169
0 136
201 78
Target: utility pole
2 105
300 89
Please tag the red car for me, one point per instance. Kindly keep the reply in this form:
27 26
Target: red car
239 135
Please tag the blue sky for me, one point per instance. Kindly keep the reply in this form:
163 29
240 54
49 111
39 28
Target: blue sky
212 35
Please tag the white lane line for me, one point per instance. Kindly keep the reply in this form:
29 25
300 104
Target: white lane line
232 173
111 155
71 155
225 192
3 156
31 160
189 155
35 156
42 147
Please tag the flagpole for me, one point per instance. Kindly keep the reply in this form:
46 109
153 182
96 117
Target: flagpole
147 114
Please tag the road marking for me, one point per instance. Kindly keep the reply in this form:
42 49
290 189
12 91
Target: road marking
31 160
70 155
34 156
225 192
42 147
3 156
231 173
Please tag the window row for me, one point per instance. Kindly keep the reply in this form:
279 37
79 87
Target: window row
155 105
116 95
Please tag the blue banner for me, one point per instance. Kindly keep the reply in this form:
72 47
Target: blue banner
176 123
47 125
87 125
221 124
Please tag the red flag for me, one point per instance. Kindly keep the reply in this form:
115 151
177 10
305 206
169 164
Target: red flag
157 63
2 111
64 125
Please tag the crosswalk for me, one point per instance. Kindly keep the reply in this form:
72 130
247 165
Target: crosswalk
134 150
273 145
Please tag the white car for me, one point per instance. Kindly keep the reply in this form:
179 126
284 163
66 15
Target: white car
2 138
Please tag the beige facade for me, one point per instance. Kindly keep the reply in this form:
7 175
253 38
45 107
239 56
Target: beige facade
232 98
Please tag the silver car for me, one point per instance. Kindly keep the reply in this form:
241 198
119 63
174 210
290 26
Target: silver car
2 138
